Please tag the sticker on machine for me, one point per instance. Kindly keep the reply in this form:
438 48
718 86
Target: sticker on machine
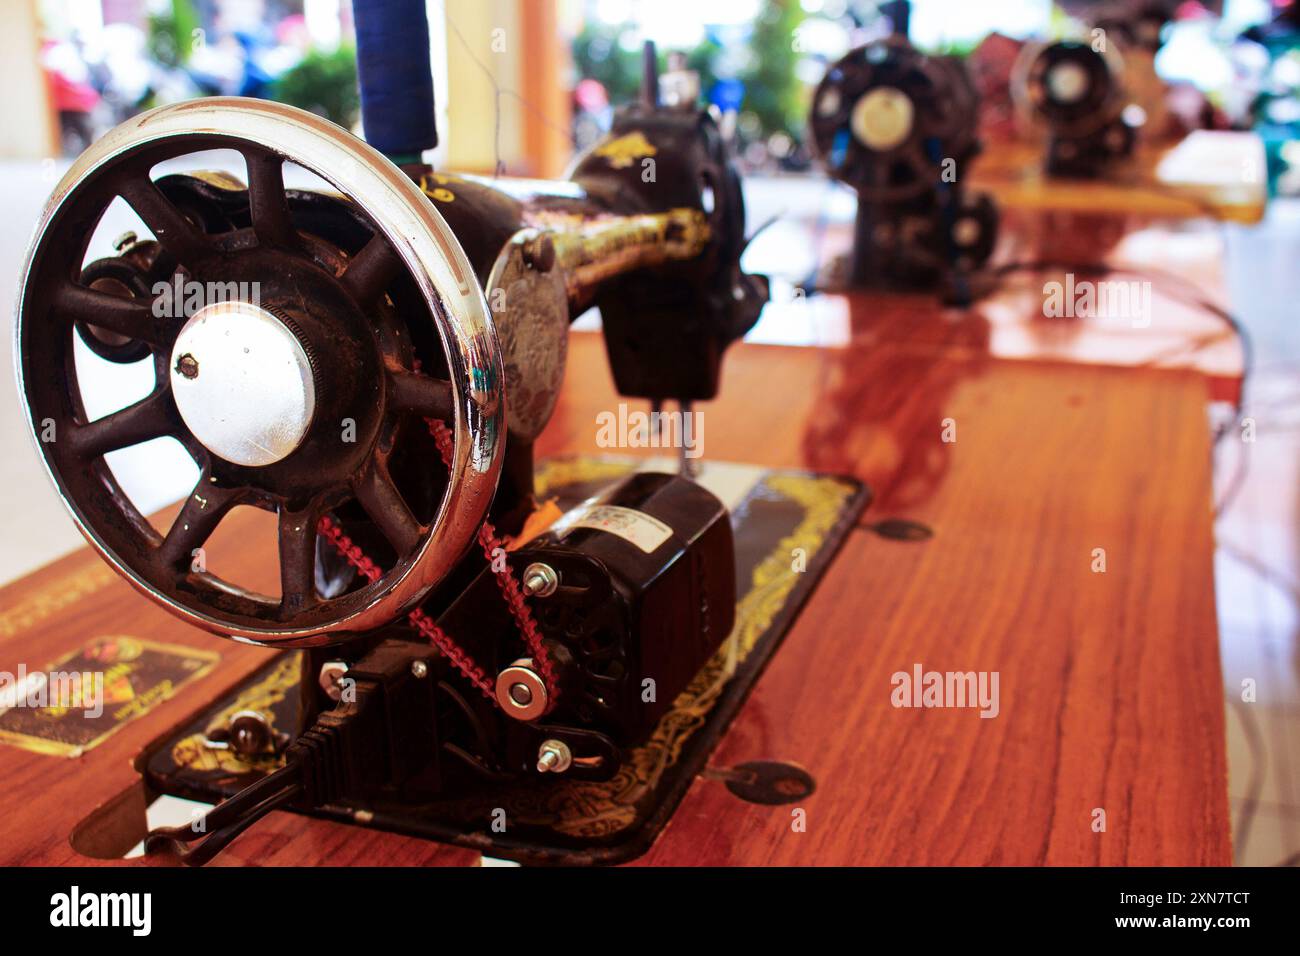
635 527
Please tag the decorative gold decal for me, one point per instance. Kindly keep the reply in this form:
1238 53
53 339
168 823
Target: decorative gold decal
625 150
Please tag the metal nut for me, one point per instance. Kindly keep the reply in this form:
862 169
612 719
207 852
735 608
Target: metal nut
540 580
554 756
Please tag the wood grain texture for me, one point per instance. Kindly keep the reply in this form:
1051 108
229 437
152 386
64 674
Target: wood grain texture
1110 683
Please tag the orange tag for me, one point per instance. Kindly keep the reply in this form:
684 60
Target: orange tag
537 523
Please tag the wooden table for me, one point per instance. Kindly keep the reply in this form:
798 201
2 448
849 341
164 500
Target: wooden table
1207 173
1111 696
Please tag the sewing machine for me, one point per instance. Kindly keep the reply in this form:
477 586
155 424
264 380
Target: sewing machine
1075 89
899 127
371 362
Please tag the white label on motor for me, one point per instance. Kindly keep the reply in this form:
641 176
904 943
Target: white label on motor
633 526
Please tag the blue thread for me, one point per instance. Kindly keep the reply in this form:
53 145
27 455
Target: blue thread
395 76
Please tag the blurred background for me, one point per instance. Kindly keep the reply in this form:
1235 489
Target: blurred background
513 99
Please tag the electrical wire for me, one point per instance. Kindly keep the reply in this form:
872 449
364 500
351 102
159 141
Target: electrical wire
1259 760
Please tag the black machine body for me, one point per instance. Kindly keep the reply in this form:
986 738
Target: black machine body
634 591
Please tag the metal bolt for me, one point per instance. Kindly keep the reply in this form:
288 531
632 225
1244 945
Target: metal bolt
554 756
540 580
331 672
188 365
420 669
966 231
125 241
521 694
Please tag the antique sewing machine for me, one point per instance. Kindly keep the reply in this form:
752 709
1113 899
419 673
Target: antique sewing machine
1075 88
899 127
447 642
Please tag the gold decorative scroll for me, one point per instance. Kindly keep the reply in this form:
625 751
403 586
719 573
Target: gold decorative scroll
592 250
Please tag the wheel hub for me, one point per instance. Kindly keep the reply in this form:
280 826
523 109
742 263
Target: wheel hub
883 119
243 382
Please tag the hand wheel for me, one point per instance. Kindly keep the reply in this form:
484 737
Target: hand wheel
294 400
1068 85
886 116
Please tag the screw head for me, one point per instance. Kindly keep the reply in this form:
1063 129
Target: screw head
420 669
249 733
188 365
539 253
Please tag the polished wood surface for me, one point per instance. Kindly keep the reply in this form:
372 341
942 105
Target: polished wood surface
1110 682
1173 268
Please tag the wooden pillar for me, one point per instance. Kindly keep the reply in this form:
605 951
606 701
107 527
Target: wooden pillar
514 46
547 138
30 129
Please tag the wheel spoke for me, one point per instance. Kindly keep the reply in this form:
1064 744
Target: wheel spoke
297 559
177 234
198 518
133 318
426 396
149 418
266 200
371 270
384 504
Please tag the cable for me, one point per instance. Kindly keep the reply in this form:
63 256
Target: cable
818 237
1235 483
1258 753
1258 759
